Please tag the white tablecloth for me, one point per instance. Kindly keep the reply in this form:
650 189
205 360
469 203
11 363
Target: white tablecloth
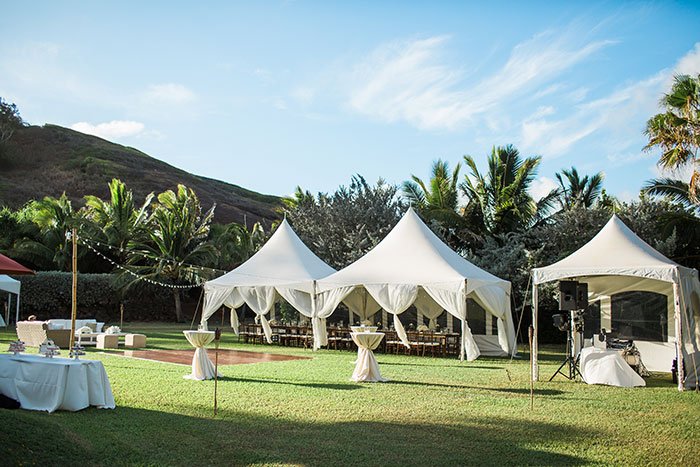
202 367
41 383
607 367
366 367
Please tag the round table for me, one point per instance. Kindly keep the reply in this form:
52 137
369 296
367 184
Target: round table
202 367
366 367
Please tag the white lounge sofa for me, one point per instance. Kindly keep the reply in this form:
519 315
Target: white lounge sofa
55 324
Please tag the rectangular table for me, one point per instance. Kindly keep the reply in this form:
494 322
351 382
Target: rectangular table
599 366
50 384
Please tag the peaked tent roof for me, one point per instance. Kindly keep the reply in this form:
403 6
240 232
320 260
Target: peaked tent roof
10 266
412 254
284 260
615 250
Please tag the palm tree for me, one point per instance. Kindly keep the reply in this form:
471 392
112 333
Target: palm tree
55 218
578 192
299 198
177 245
118 220
677 131
439 198
438 203
499 200
676 190
235 243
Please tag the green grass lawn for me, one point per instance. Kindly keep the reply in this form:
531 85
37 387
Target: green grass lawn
434 411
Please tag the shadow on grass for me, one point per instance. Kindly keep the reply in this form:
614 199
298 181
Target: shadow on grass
127 436
342 387
455 365
538 391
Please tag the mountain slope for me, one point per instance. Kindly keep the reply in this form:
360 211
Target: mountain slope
48 160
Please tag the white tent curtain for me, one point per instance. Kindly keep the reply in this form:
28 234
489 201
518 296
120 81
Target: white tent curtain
491 299
260 299
324 304
362 304
456 305
428 308
234 301
395 299
213 299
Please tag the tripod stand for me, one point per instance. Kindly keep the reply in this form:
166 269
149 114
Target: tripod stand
571 360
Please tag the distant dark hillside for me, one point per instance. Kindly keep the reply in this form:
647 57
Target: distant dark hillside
48 160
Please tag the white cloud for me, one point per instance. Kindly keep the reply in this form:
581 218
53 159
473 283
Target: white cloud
541 187
621 115
408 80
684 172
265 76
690 63
110 130
627 196
170 93
304 95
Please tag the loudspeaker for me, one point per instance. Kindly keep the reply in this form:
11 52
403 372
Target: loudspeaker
567 295
581 295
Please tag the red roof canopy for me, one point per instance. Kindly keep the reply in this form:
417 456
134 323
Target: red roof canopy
10 266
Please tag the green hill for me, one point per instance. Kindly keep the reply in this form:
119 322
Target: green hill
48 160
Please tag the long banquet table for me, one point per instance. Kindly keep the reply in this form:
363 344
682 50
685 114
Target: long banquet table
50 384
445 343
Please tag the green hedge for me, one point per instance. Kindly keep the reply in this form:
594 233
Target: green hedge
48 295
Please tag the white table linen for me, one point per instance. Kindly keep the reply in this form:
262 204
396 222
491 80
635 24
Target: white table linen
202 367
607 367
50 384
366 367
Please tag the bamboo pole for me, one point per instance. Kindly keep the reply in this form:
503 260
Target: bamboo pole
217 336
530 332
74 304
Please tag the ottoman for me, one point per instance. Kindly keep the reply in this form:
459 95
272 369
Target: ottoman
107 341
135 340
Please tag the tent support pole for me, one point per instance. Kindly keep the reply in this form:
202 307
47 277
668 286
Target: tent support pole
314 319
535 340
17 311
74 302
679 337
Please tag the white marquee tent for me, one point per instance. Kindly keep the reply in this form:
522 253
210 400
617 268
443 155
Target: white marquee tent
616 260
13 286
413 266
284 267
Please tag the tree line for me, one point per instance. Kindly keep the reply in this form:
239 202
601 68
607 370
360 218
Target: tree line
488 216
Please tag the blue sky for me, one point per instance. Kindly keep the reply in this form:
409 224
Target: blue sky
271 95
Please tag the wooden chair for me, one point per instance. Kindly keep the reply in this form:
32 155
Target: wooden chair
430 342
334 339
392 342
416 341
452 344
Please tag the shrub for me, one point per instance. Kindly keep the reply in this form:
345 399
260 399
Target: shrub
48 295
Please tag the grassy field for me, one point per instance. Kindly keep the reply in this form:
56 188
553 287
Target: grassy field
434 411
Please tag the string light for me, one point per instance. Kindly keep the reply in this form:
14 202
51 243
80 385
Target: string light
138 277
84 241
